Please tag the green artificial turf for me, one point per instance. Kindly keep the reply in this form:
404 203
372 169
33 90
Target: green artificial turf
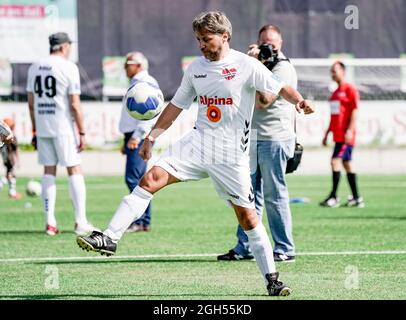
190 225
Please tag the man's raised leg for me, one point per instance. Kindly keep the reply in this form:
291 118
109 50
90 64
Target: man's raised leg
131 208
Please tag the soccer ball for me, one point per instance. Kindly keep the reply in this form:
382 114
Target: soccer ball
33 188
144 101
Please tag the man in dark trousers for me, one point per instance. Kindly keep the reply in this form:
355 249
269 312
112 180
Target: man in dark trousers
136 68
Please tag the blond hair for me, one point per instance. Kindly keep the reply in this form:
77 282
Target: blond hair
213 22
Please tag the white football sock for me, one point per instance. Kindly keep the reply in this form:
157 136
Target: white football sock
261 249
49 198
12 186
131 208
77 191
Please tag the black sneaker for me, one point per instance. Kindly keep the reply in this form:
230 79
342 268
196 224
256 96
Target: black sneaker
275 287
234 256
330 202
354 203
281 257
98 242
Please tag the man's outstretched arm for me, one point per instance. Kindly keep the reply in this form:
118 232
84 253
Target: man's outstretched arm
165 120
288 93
294 97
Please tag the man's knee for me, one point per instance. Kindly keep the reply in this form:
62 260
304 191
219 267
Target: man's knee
74 170
247 218
152 181
50 170
347 166
336 164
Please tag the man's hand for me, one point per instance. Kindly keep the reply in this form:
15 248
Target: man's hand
305 105
324 141
82 143
133 143
349 136
146 149
34 141
253 51
7 140
6 135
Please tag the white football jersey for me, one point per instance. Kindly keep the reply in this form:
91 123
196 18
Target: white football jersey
225 92
51 81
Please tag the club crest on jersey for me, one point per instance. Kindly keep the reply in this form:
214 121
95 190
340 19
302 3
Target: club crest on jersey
229 74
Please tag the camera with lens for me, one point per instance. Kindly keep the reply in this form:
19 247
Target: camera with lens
268 55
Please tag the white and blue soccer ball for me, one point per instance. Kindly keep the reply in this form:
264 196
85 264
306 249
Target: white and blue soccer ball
144 100
33 188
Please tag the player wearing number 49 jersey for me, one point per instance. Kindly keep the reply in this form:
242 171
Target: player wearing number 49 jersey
225 82
53 87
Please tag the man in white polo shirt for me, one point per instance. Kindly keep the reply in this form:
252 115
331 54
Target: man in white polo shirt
136 68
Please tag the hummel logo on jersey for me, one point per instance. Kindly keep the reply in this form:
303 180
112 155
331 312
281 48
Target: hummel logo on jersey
198 76
251 197
228 74
233 195
205 100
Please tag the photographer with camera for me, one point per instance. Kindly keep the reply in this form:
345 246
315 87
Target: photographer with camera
273 121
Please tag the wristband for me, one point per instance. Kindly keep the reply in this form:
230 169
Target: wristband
82 133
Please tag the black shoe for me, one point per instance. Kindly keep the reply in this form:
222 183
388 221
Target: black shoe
234 256
354 203
330 202
281 257
98 242
275 287
138 228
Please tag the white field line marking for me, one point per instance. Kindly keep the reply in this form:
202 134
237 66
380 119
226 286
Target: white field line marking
161 256
103 186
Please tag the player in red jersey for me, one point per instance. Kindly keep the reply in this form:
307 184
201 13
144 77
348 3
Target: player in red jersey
344 111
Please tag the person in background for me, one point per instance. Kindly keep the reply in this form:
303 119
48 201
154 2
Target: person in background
53 88
344 112
275 144
136 68
10 155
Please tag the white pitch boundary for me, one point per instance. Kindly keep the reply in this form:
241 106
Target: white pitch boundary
162 256
380 185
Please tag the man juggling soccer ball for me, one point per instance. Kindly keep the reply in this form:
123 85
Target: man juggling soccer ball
229 79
